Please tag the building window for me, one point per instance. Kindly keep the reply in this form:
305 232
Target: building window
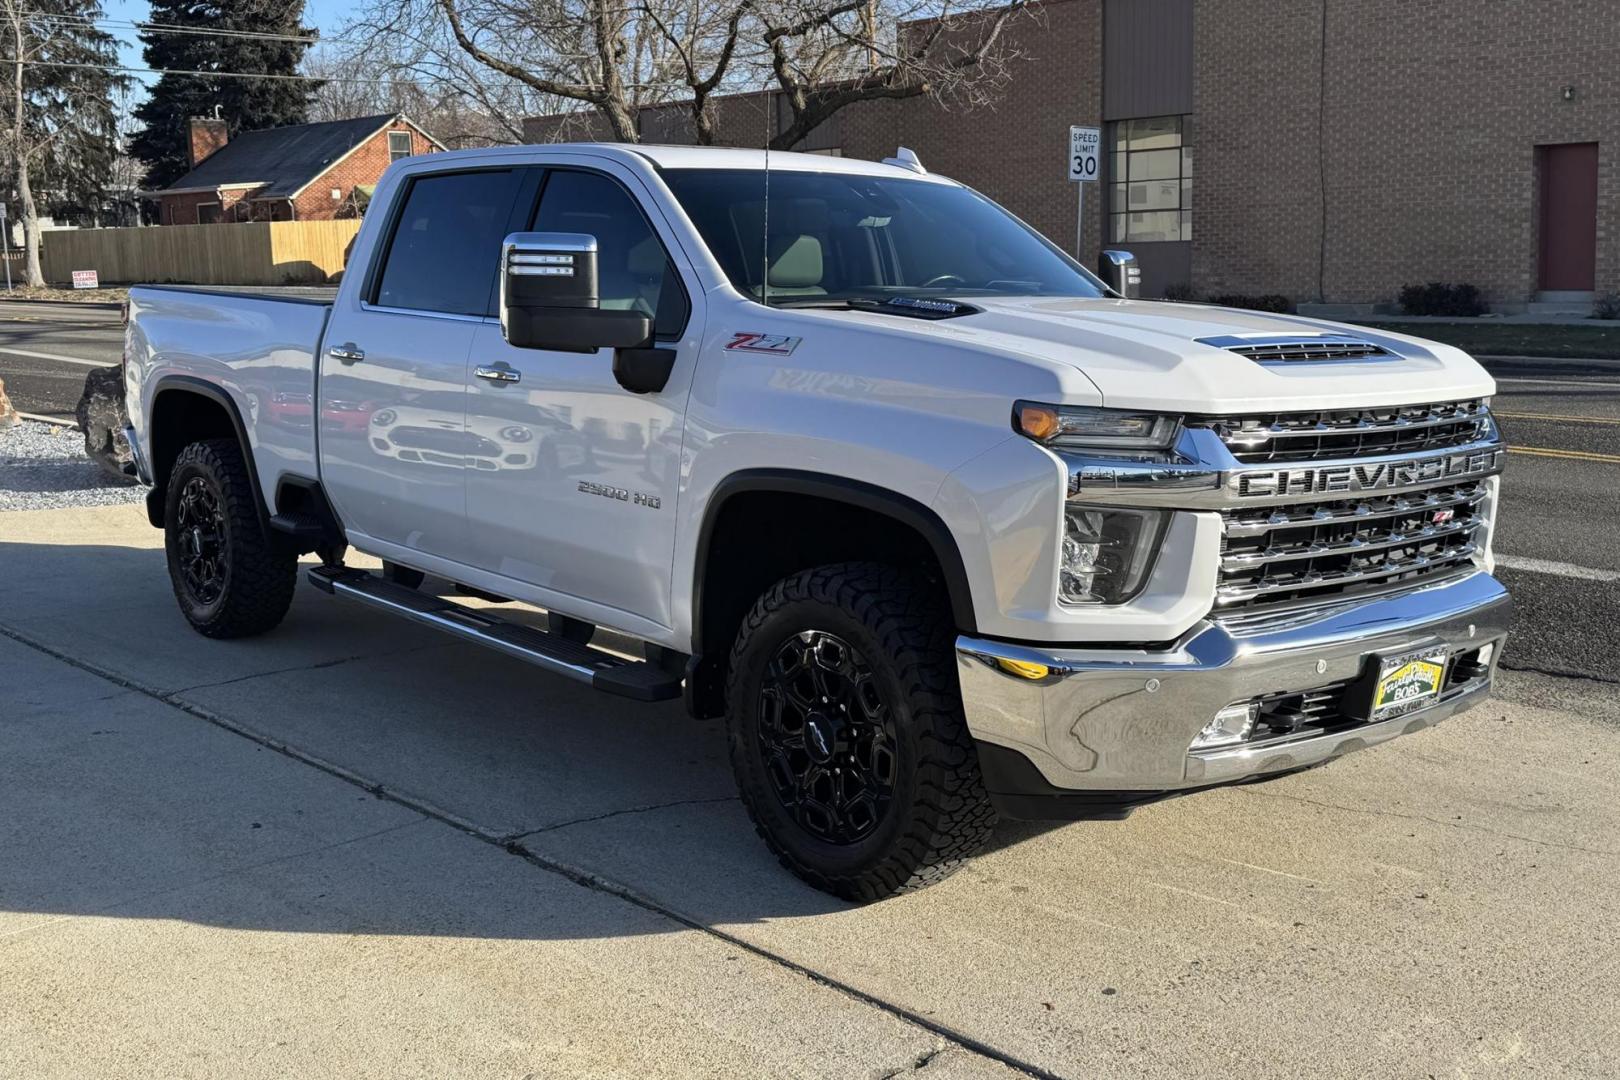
1152 179
399 145
209 213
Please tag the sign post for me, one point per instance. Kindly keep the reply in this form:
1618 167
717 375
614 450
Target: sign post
1085 153
5 243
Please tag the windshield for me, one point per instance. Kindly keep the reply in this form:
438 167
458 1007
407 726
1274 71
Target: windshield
844 237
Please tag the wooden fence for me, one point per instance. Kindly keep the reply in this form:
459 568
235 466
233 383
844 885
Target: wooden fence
249 253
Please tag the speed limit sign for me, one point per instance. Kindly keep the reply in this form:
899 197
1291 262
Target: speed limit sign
1085 150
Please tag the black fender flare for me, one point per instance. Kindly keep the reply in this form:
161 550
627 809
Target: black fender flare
879 500
203 388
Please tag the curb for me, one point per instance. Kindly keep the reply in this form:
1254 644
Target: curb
100 305
1595 361
38 419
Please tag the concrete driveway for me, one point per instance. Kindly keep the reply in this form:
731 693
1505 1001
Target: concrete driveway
352 848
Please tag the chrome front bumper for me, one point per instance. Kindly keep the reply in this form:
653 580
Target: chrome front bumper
1123 720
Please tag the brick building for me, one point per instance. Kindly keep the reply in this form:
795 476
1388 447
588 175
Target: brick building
308 172
1342 148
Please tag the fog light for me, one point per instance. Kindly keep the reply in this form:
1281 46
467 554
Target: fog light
1233 724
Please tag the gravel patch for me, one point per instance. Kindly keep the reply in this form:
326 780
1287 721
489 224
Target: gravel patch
43 467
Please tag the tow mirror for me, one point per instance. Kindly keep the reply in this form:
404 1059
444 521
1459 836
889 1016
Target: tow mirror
549 297
1119 271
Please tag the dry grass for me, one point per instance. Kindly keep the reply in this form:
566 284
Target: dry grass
77 296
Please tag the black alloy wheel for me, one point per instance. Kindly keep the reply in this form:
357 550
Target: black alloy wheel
828 737
202 535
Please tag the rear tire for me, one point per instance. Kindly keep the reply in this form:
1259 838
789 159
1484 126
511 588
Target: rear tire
847 735
230 579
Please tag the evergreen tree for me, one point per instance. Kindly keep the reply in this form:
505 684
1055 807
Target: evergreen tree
245 104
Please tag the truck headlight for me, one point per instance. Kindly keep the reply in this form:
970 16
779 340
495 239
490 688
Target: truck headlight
1085 428
1107 553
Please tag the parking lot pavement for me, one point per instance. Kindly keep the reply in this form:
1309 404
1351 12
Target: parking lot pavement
349 846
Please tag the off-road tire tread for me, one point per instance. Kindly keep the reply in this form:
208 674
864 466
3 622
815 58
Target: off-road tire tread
263 577
952 816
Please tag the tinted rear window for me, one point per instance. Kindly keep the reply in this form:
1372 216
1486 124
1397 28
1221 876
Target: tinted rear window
446 245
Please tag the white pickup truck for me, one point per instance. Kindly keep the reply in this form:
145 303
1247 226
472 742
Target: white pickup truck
942 524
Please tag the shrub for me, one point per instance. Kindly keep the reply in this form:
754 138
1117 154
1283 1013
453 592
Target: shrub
1270 302
1606 306
1181 291
1442 298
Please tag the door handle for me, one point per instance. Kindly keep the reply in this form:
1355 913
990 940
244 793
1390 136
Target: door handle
497 373
348 353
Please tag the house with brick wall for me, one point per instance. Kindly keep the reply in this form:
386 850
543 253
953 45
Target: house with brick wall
307 172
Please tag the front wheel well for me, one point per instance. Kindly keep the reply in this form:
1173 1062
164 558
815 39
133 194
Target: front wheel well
756 536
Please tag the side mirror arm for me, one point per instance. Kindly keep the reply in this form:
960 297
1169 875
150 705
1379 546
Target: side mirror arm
643 369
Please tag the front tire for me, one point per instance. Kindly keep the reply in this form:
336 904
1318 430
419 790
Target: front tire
847 735
229 578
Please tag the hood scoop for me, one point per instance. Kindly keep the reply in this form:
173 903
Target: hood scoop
1299 348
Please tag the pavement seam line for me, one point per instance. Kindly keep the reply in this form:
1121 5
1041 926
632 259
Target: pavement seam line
1580 676
319 665
618 813
1464 826
210 879
579 876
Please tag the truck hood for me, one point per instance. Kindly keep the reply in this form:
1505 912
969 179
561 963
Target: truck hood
1141 354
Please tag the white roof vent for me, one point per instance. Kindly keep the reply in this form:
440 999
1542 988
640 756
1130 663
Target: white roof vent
905 158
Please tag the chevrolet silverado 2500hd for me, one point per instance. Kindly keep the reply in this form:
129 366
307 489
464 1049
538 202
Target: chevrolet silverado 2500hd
941 524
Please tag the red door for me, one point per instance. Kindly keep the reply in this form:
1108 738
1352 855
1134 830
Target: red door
1569 184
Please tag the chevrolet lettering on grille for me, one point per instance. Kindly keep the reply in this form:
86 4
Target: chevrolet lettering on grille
1371 476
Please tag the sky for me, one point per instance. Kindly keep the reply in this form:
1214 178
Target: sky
325 15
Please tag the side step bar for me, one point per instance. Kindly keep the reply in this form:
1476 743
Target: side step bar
634 679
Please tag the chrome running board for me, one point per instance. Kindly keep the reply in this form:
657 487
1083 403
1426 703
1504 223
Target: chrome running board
634 679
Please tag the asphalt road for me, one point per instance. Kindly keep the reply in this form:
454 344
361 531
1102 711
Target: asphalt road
45 350
1560 512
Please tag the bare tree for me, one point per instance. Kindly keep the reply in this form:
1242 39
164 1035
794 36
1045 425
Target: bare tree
953 52
617 58
454 112
59 118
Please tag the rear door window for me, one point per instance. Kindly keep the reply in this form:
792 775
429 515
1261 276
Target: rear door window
446 244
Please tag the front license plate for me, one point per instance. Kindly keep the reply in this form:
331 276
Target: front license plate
1408 682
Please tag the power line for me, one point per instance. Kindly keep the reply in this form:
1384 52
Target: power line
258 75
213 74
200 31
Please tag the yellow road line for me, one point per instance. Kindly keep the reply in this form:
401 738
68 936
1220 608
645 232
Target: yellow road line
1557 416
1577 455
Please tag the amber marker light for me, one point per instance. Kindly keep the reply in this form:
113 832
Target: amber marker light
1039 422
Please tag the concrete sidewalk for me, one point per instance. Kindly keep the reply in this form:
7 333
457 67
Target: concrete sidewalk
351 847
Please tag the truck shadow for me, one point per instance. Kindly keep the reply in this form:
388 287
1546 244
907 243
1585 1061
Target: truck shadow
411 771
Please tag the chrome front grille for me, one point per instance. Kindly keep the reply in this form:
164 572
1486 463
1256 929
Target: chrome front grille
1329 547
1320 551
1263 438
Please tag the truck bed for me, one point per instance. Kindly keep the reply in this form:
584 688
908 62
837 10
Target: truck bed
258 347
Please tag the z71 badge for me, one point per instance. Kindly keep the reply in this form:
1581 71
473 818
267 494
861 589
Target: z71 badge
778 344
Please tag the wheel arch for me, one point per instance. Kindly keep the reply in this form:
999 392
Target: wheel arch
183 410
847 519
